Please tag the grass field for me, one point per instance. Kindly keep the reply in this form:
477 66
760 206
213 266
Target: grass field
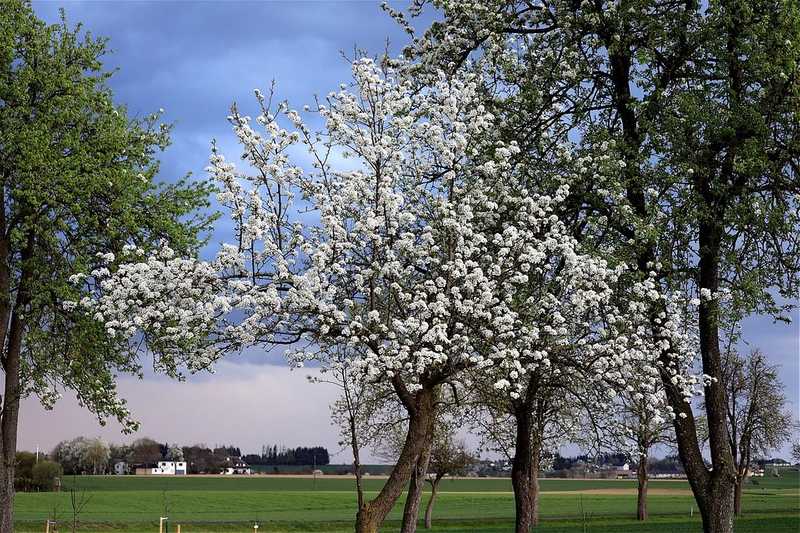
133 504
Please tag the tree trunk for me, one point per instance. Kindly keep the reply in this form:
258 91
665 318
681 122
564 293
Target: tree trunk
10 409
534 482
6 493
521 471
416 486
718 515
421 411
8 426
717 511
641 495
429 508
9 413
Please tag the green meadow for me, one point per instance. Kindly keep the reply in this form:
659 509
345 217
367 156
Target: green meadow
327 504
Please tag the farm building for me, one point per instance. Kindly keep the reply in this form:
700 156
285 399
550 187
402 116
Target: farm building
163 468
617 472
236 466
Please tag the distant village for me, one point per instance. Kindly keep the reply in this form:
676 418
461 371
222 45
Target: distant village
569 468
147 457
178 468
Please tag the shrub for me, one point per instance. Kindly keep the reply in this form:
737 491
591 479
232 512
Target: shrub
45 473
23 471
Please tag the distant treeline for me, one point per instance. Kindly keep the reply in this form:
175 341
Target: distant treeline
604 459
274 455
95 456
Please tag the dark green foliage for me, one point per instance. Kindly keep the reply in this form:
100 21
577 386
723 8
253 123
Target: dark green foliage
35 475
273 455
23 474
44 475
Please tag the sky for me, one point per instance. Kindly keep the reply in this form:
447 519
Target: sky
194 59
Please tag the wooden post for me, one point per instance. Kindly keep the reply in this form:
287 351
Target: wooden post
178 529
161 524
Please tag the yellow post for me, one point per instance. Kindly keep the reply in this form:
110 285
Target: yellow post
47 526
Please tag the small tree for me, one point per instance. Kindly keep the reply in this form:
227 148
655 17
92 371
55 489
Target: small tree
175 453
23 473
78 500
44 475
449 457
758 422
146 451
525 427
636 422
356 411
95 456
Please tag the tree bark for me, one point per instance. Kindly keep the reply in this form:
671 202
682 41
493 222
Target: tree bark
431 501
718 507
9 424
641 494
522 471
8 460
421 411
12 390
717 511
416 486
534 482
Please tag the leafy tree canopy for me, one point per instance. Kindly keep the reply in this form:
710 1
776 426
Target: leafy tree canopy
77 182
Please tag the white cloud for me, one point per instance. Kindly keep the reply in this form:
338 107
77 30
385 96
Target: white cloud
242 404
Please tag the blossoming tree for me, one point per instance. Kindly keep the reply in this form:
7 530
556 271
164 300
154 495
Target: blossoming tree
397 263
412 249
555 342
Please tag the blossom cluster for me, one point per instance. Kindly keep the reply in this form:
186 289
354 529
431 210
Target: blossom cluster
417 242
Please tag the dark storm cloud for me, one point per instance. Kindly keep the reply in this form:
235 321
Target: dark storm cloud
194 59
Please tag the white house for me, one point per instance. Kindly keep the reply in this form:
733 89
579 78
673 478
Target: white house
237 466
164 468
